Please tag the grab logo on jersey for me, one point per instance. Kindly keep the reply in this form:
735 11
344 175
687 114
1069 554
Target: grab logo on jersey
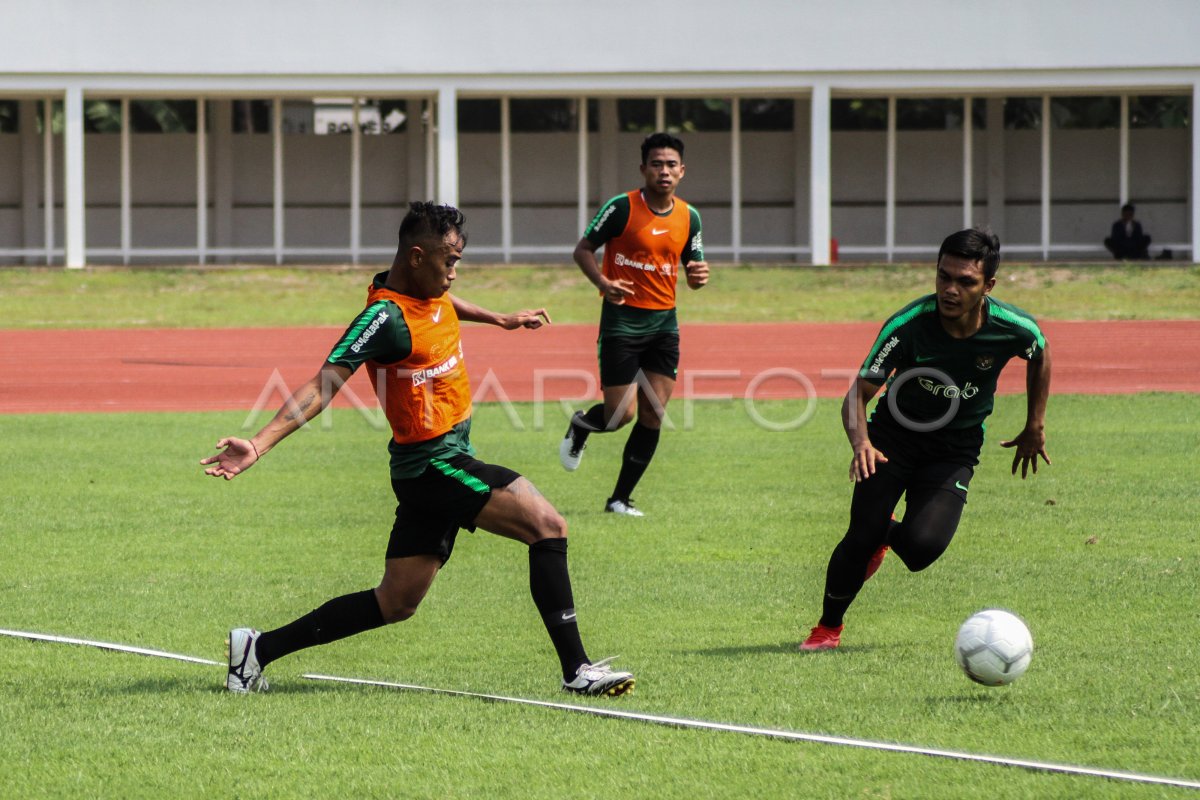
949 391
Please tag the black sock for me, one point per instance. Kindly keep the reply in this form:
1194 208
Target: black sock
340 617
639 449
591 421
550 585
843 581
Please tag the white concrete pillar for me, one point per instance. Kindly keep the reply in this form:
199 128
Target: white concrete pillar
735 176
1194 198
968 164
126 183
889 203
1046 121
201 180
582 209
277 177
447 146
819 184
73 200
355 184
506 211
48 233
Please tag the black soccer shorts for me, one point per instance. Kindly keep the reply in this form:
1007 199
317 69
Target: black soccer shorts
431 507
622 357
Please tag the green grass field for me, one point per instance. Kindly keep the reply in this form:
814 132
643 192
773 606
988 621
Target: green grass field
110 531
114 297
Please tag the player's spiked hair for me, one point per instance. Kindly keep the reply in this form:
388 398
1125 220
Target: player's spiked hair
660 139
425 221
974 244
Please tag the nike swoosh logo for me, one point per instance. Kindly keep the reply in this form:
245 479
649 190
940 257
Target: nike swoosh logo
437 315
923 359
657 232
568 617
958 485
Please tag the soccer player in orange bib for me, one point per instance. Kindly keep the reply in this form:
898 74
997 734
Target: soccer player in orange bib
648 236
408 338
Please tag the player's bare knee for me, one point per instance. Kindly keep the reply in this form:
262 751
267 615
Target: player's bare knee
551 524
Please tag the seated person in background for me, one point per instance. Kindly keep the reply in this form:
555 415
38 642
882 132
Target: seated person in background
1127 240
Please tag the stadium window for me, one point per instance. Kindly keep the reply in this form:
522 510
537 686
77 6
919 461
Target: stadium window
1160 111
251 116
635 115
9 121
1090 113
56 116
858 114
1022 113
102 116
979 113
689 116
929 114
162 116
767 114
479 116
333 116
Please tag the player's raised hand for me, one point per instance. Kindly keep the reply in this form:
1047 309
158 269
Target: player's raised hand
697 274
236 456
1030 444
531 318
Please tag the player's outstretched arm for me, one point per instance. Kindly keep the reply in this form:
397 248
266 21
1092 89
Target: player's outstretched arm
238 455
1031 442
854 420
528 318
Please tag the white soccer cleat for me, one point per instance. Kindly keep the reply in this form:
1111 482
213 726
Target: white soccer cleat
570 453
624 507
599 678
245 675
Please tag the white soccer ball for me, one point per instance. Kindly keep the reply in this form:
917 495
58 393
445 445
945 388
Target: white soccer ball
993 647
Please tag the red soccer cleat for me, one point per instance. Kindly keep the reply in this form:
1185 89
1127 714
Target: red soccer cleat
823 638
876 560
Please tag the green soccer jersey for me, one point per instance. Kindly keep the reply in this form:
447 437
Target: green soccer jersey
380 334
611 222
933 376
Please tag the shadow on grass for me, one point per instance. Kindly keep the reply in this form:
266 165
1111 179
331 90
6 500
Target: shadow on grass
791 647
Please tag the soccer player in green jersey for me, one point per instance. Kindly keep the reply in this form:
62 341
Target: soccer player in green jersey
649 236
940 357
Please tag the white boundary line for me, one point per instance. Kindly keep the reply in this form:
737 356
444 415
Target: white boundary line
775 733
675 722
123 648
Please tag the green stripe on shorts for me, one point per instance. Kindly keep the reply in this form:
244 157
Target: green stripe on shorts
463 477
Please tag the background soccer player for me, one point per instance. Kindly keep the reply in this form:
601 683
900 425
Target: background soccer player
648 234
941 356
408 336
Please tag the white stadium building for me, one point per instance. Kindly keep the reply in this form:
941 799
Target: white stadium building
287 131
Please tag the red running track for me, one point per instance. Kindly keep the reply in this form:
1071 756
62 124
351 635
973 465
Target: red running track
228 369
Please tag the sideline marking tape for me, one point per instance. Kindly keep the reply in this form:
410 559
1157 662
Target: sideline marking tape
774 733
123 648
